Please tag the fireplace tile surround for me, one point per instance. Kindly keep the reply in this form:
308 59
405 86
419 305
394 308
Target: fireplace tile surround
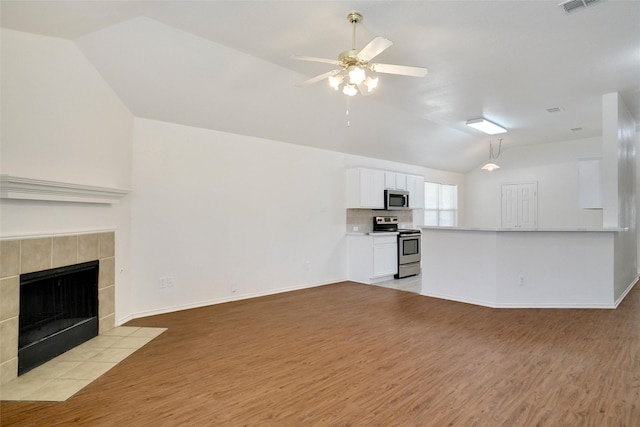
34 254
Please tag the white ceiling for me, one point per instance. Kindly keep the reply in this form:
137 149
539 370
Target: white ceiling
227 65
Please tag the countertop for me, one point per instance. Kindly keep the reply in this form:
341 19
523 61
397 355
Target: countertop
372 233
528 230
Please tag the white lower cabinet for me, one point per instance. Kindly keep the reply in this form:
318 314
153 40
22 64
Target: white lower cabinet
372 258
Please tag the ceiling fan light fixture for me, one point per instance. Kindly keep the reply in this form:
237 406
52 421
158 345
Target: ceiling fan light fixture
336 81
357 75
484 125
371 83
349 89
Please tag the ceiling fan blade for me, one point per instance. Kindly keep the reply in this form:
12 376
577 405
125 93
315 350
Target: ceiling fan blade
402 70
314 59
318 78
373 49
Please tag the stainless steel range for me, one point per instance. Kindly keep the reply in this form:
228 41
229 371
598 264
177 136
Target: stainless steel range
408 245
408 253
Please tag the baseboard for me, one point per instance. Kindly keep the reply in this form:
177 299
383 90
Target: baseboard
223 300
557 305
482 303
626 291
125 319
458 299
493 304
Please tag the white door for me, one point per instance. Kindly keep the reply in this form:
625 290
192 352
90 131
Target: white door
527 205
509 206
520 205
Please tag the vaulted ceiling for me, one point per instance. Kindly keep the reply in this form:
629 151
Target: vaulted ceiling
227 65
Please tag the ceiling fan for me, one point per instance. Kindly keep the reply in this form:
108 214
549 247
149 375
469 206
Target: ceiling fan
352 74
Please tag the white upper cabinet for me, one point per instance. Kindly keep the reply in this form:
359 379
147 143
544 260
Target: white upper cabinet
415 185
365 188
395 181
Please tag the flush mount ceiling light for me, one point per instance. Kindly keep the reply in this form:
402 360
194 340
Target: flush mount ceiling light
486 126
356 73
490 166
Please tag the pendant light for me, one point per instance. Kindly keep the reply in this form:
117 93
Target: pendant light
490 166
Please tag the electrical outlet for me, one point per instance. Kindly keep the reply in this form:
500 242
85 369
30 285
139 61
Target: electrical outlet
356 228
234 288
521 280
166 282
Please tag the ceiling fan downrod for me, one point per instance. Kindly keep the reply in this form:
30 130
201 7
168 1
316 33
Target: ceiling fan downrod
354 17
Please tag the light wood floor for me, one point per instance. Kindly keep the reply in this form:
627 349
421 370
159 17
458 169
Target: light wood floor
351 354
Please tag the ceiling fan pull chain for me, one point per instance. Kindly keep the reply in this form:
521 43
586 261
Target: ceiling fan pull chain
347 114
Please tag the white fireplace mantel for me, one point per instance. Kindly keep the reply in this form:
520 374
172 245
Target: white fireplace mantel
14 187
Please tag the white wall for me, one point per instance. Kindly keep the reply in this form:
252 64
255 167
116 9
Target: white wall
216 212
62 122
558 269
619 192
459 265
637 210
209 209
553 166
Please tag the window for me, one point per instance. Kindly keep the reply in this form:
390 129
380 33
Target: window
440 204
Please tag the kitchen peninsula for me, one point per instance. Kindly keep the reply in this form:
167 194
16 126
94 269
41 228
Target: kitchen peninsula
554 268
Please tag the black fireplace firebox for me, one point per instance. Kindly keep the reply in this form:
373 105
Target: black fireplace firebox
58 311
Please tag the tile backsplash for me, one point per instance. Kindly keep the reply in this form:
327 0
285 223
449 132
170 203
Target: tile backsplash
363 219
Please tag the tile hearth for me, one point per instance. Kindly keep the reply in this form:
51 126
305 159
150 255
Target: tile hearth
62 377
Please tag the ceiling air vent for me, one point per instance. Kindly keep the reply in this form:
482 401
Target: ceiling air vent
571 5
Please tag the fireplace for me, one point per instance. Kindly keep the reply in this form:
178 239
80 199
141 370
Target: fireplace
58 311
23 256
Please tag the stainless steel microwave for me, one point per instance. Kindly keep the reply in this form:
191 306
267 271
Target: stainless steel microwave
396 200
